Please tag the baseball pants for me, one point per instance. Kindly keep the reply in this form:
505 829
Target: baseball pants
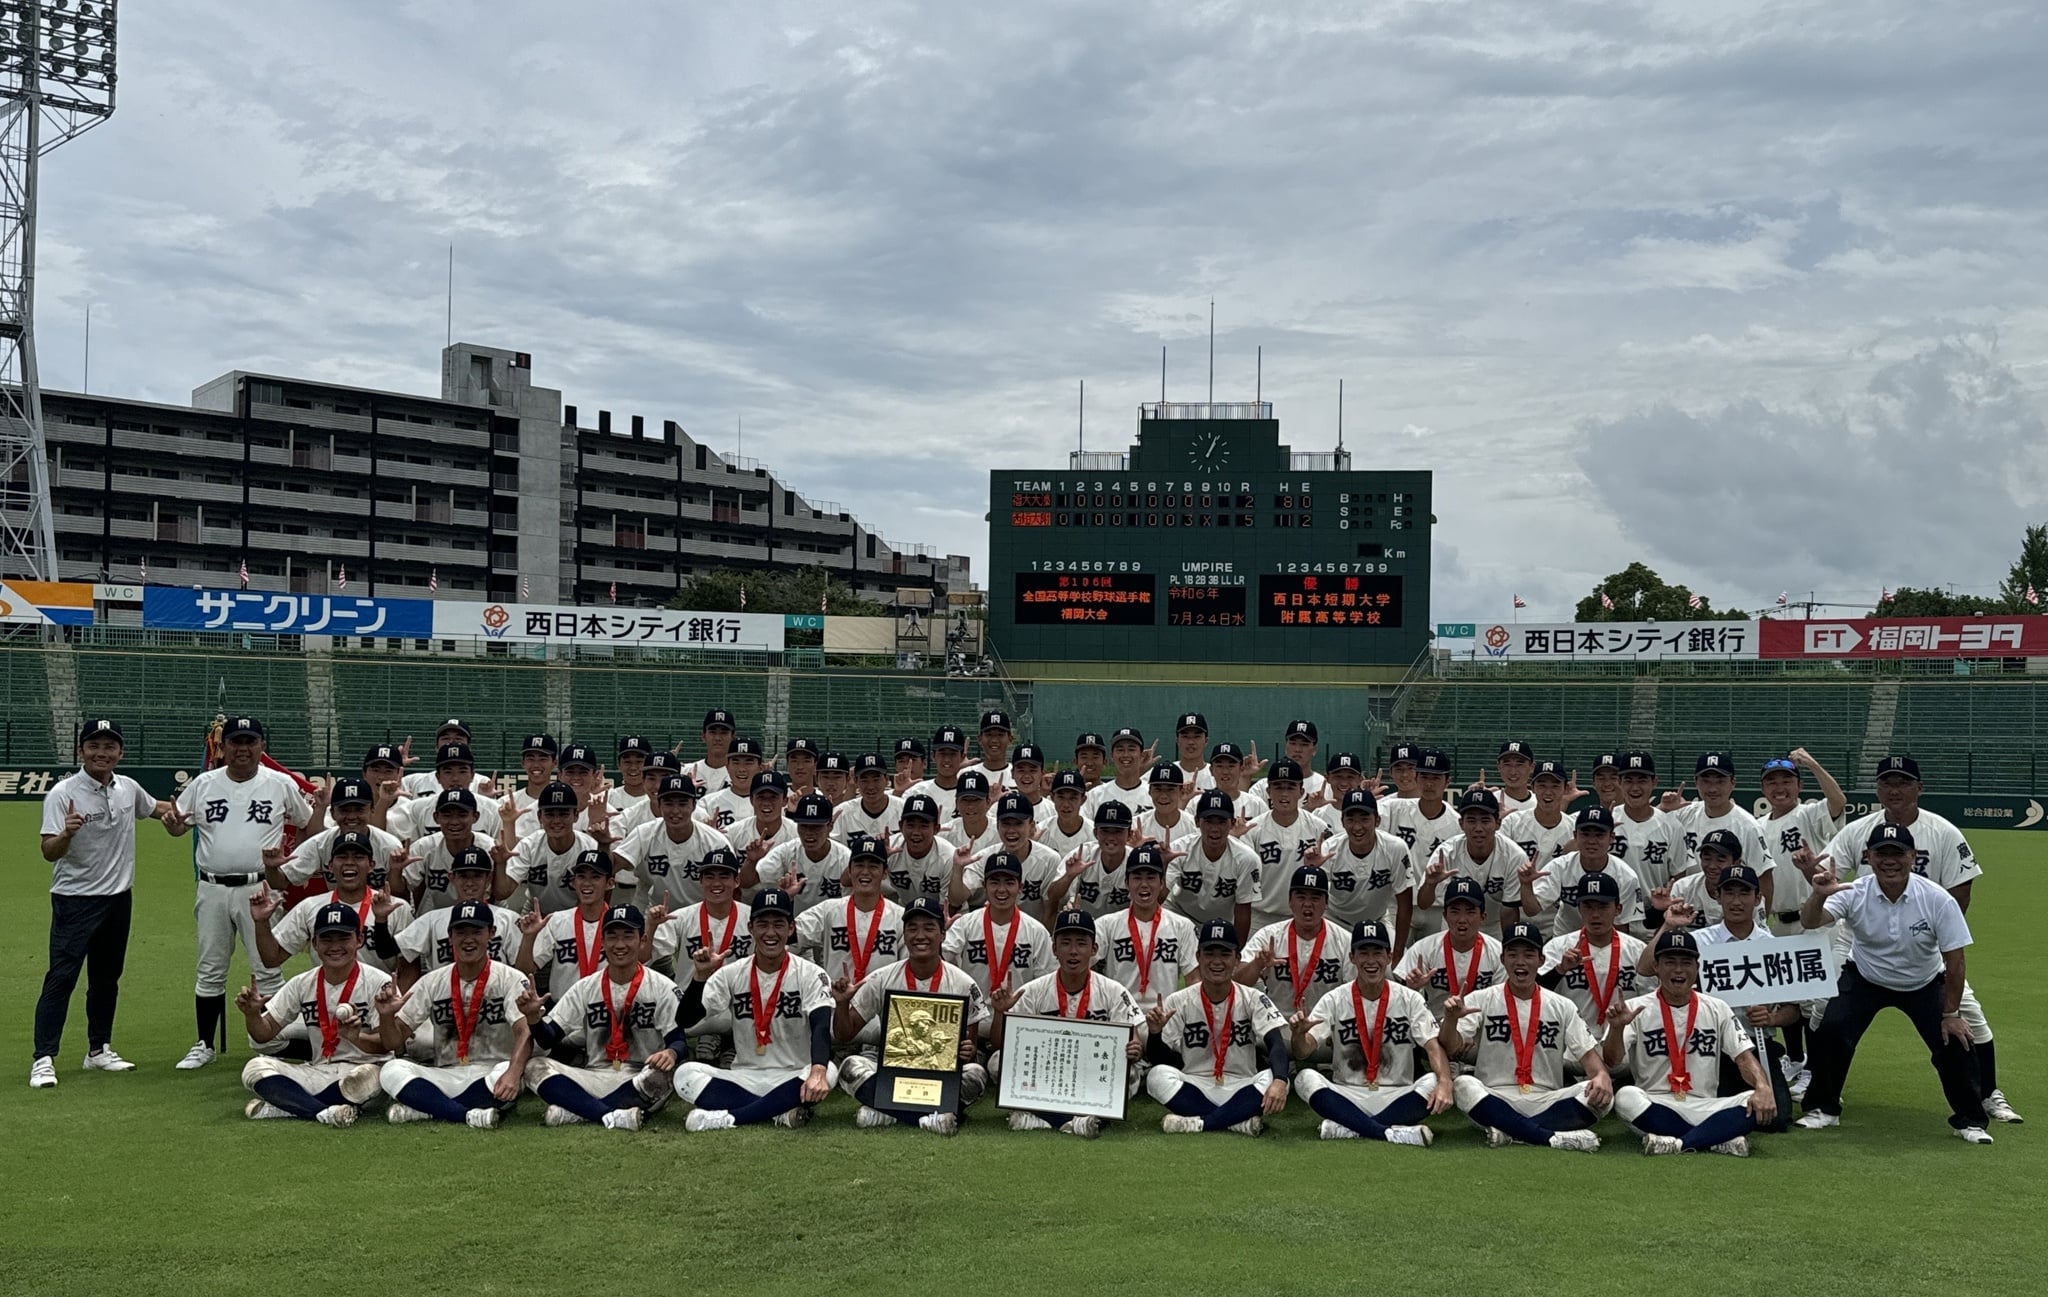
750 1094
222 914
1857 1002
591 1092
1531 1118
443 1093
1695 1122
89 933
1364 1109
1220 1104
304 1089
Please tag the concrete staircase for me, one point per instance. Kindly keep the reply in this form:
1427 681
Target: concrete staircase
1642 714
1877 732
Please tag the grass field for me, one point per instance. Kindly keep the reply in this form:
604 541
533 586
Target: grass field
154 1182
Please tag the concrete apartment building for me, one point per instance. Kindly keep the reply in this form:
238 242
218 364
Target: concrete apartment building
494 489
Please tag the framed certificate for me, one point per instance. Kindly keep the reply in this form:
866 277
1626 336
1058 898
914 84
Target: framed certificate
920 1070
1064 1065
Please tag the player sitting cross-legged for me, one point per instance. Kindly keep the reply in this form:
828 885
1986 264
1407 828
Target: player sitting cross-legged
622 1020
481 1041
1371 1026
1074 990
336 1000
1219 1029
922 969
1673 1040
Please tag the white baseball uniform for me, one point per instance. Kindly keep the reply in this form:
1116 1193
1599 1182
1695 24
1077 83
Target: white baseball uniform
233 822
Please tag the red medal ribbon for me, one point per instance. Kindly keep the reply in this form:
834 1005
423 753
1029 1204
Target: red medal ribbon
1471 978
764 1023
1143 952
1602 996
1676 1047
1524 1042
704 929
330 1030
1369 1042
464 1030
861 951
910 978
998 970
1295 973
1220 1040
615 1048
1081 1006
587 961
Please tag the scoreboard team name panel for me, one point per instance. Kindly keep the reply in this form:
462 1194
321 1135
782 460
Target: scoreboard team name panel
1322 567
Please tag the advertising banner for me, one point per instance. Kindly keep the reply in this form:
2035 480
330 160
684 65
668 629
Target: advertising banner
1619 641
1915 637
45 603
532 623
176 608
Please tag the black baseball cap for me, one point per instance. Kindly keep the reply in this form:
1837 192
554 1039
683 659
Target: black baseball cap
1371 935
1028 754
1359 799
384 754
658 761
1606 761
1191 721
971 784
1127 734
768 781
1302 730
1308 878
721 859
1521 934
772 900
1899 765
242 727
337 918
919 806
1214 805
677 785
1217 933
1225 751
718 718
1404 754
996 720
1074 921
454 754
1462 888
1595 817
1112 814
834 761
1889 837
1343 761
1549 770
579 754
867 761
1638 762
1740 875
350 792
927 907
800 747
634 744
624 916
1723 842
1284 772
1088 742
557 796
454 725
1517 748
1166 772
948 736
471 860
1069 781
1678 941
865 846
101 729
471 914
595 860
1146 858
1002 862
1719 763
1432 761
350 840
1015 806
744 748
1479 799
1599 887
910 748
540 743
812 808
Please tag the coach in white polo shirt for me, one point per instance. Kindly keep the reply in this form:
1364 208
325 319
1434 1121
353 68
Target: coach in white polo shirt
236 810
89 840
1908 937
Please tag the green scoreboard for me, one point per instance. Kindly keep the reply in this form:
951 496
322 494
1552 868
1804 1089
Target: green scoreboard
1209 542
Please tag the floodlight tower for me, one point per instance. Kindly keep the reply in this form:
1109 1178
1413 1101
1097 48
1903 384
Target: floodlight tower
56 83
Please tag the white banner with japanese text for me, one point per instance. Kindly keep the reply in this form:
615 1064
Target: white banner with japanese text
532 623
1618 641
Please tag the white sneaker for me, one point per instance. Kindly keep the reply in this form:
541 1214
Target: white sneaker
1335 1130
1498 1138
42 1074
1022 1121
1085 1127
258 1110
1175 1124
482 1119
1575 1141
872 1119
1818 1120
360 1085
1658 1145
104 1059
795 1117
708 1119
1996 1108
940 1123
557 1115
1791 1067
1419 1136
1737 1147
398 1114
197 1057
1249 1126
1798 1084
1973 1134
340 1114
622 1119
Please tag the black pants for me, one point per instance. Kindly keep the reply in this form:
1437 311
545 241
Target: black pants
1832 1046
89 932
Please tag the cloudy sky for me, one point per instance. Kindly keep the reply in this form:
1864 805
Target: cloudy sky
1752 291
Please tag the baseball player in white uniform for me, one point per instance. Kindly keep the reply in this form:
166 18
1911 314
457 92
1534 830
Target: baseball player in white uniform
865 929
875 811
668 854
1214 873
1000 944
1092 878
812 866
541 861
778 1008
423 876
859 1008
728 805
767 826
1515 764
1518 1040
921 865
1714 775
1425 822
348 805
1229 768
415 816
1286 838
334 1004
1459 960
1479 853
1145 947
426 783
1556 886
1222 1032
709 771
1190 738
1543 829
621 1020
949 757
1130 761
1673 1040
481 1041
1039 863
1595 964
971 827
718 923
1368 868
423 944
1298 744
236 811
281 933
1074 990
537 760
1645 838
994 739
1166 821
1370 1026
1063 826
835 777
1091 754
558 950
1791 825
1296 962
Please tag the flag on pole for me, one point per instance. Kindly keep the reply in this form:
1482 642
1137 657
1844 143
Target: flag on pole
743 596
615 592
245 574
142 572
525 588
2032 597
824 598
1520 602
1606 602
341 577
1781 598
1884 594
1694 602
433 579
